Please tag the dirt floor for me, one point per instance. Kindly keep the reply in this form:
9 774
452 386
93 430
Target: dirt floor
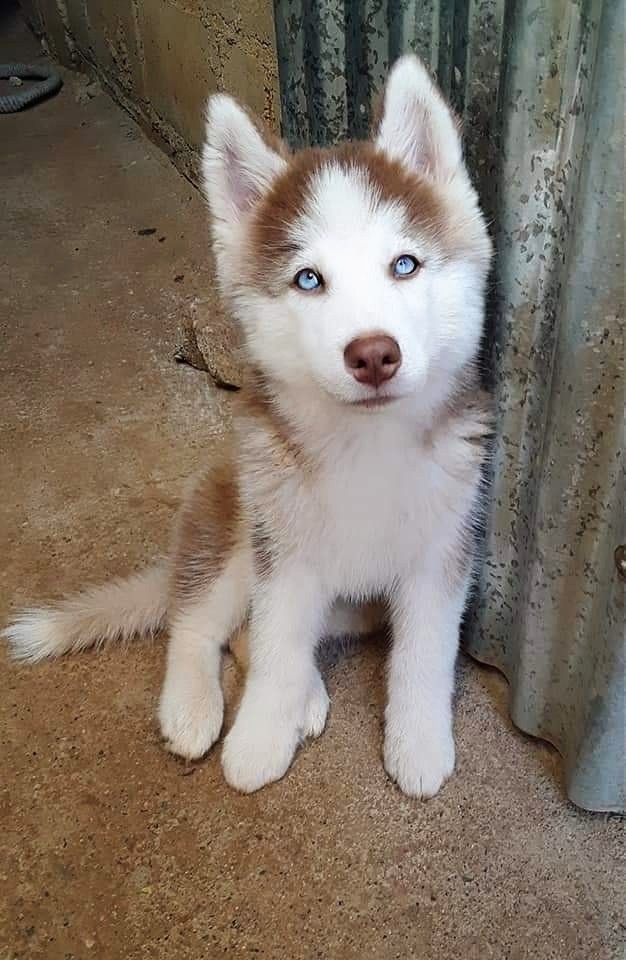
110 847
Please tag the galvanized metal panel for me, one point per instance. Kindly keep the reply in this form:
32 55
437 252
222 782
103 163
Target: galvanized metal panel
539 86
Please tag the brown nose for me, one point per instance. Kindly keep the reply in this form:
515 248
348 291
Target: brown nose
373 360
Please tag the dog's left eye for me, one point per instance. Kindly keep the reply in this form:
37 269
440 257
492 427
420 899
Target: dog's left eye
307 279
405 265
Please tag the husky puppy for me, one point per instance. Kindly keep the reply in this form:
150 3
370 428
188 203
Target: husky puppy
358 276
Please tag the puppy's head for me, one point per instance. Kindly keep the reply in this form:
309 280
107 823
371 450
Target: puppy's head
357 271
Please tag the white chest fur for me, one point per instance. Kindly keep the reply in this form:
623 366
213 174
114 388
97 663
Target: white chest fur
381 499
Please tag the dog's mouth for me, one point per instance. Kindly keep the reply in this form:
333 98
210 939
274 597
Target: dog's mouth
373 403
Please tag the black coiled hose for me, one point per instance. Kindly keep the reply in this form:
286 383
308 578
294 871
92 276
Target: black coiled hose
50 83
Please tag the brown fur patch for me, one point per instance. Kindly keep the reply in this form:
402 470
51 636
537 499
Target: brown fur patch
469 413
277 212
209 527
275 215
262 548
480 412
255 402
475 410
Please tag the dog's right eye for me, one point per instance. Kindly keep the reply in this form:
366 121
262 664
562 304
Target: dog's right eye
307 279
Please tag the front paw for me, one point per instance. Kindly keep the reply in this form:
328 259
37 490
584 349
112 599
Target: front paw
191 715
420 763
259 748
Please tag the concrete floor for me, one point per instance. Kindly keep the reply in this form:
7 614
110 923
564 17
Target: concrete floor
112 848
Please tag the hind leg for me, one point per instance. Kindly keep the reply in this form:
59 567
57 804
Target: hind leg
191 708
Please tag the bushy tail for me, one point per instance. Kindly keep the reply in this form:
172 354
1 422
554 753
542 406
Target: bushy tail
115 611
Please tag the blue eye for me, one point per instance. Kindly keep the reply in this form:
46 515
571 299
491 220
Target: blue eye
307 279
405 265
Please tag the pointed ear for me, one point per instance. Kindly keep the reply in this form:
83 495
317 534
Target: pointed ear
418 128
238 164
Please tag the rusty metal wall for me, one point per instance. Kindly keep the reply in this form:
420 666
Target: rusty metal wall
539 86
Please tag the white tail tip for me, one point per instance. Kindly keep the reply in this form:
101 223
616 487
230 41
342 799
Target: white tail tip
35 635
113 612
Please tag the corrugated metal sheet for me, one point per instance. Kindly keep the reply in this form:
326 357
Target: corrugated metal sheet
539 86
